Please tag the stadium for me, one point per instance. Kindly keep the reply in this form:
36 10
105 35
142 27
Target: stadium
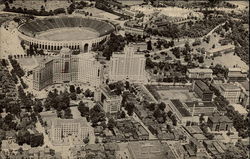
76 33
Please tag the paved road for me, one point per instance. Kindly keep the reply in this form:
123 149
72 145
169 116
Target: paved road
190 40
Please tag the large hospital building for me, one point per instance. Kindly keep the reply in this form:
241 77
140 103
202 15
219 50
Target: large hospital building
128 66
64 128
66 67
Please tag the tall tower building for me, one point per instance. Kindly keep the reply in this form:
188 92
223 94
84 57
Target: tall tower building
128 66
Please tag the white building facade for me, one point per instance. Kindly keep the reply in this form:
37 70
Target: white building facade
66 67
128 66
61 129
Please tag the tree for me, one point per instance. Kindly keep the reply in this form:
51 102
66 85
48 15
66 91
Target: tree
67 113
176 52
151 106
23 136
36 140
187 47
8 118
86 140
84 110
162 106
123 115
201 59
72 88
78 90
149 45
88 93
38 107
73 96
111 123
130 108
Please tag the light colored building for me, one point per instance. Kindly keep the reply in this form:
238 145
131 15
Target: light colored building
182 112
236 74
198 73
134 31
203 91
128 66
63 128
231 92
110 101
66 67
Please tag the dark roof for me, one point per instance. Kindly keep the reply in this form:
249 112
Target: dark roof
177 103
200 104
203 86
219 118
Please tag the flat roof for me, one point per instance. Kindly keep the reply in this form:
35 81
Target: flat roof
200 104
58 122
229 86
240 109
108 91
220 118
203 86
235 69
193 129
197 70
177 103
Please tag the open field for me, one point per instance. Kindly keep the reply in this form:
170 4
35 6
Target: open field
228 60
166 93
67 34
100 13
183 95
36 4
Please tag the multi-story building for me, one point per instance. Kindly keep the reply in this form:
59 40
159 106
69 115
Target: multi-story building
219 123
66 67
43 74
110 101
128 66
182 112
203 91
134 31
236 75
64 128
198 73
231 92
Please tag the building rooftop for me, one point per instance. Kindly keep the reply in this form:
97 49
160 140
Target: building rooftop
105 89
197 70
203 86
240 109
219 118
59 122
229 87
177 103
200 104
193 129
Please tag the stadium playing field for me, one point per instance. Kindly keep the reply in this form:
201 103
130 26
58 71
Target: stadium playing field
68 34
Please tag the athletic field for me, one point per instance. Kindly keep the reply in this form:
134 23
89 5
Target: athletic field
68 34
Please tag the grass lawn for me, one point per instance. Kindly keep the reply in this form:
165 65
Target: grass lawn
183 95
228 60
